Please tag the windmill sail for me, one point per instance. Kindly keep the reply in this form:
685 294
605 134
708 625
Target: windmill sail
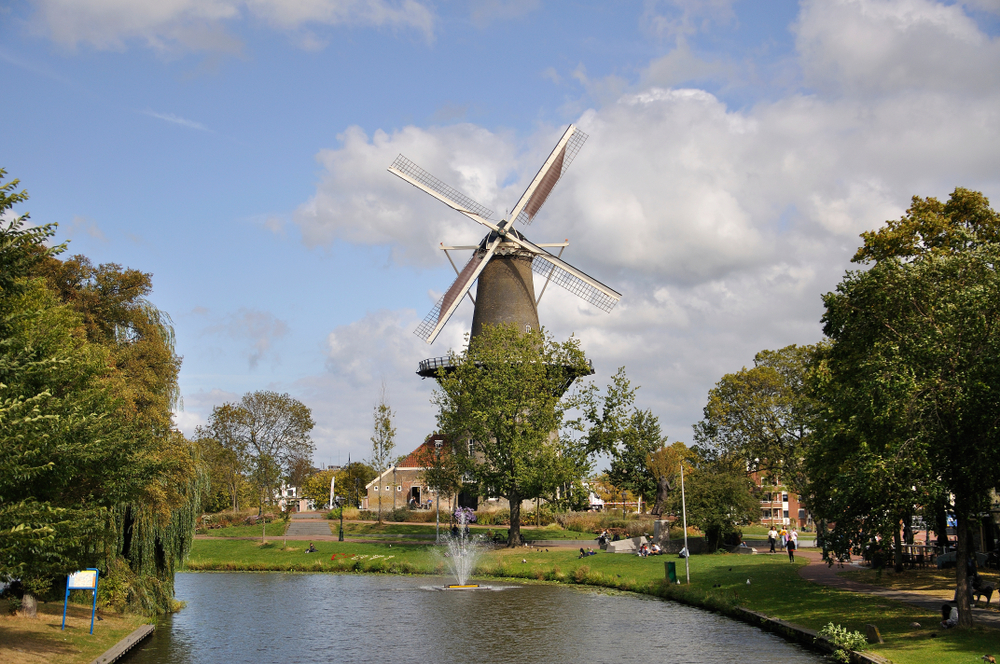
450 196
548 175
589 289
432 323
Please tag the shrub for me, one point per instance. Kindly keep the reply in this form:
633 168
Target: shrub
398 515
493 517
844 639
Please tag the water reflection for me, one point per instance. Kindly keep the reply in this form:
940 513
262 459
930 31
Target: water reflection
239 618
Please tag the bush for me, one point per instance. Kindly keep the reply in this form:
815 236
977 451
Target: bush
398 515
844 640
493 517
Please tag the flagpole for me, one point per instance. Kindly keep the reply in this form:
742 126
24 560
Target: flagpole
687 551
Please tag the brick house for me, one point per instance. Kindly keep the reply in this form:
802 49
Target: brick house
402 485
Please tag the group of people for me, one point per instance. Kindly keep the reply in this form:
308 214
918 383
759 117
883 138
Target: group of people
789 540
604 537
649 550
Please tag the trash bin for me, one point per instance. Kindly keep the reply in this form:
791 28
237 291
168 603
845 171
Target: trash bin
671 571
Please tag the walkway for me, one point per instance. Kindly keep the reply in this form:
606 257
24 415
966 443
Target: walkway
818 571
308 525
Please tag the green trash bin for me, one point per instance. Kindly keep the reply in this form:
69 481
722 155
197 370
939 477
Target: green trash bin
671 571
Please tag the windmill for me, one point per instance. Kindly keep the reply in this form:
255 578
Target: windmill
503 262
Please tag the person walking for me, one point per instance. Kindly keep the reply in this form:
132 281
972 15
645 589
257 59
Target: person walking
790 547
783 534
772 538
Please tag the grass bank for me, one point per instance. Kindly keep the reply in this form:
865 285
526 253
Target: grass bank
718 582
34 641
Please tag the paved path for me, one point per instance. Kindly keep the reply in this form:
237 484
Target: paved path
818 571
308 524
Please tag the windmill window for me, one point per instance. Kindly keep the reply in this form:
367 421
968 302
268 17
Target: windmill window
527 328
376 487
387 488
399 487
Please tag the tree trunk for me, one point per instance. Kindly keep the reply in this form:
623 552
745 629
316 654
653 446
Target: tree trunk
897 554
514 536
29 606
941 527
962 579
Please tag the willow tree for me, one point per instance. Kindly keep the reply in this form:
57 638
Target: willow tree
503 397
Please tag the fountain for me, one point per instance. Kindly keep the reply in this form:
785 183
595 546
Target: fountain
462 551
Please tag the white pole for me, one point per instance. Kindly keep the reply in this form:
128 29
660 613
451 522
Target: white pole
687 551
333 480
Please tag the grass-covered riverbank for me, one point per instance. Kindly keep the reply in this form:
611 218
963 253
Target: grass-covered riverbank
41 640
718 582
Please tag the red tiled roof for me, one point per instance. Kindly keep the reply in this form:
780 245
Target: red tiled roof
422 456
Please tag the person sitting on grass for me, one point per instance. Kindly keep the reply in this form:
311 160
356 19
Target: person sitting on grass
583 554
949 615
311 548
655 550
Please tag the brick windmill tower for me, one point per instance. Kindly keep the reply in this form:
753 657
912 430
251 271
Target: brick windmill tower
504 261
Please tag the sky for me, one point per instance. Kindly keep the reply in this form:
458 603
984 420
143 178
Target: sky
237 150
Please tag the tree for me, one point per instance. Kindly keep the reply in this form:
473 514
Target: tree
317 486
265 436
908 382
443 473
627 434
504 398
719 497
760 415
383 439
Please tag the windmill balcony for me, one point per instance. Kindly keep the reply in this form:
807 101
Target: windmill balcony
430 367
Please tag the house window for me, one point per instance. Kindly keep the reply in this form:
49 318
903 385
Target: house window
472 446
784 497
802 514
786 514
527 328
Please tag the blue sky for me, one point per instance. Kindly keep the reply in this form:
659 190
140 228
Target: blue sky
237 150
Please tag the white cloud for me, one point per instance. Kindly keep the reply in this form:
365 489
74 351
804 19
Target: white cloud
877 47
177 120
201 25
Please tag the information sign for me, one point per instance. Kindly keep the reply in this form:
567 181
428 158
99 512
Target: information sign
83 580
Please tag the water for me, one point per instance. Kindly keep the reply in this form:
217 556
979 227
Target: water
238 618
462 550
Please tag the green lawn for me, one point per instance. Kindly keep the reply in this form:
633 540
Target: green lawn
274 529
717 581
